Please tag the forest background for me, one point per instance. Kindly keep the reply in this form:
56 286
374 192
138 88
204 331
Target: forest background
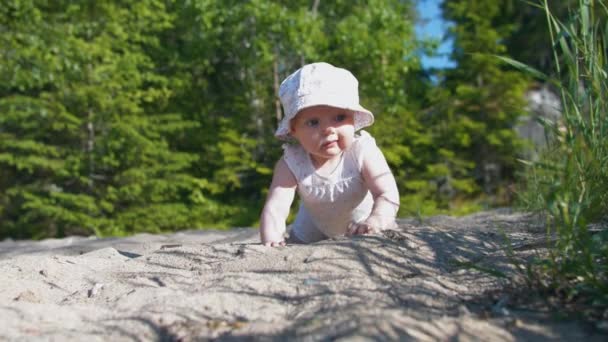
118 117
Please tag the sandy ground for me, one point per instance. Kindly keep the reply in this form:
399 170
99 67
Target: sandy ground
425 281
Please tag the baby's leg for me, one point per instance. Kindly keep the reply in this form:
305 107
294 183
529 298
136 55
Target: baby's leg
293 239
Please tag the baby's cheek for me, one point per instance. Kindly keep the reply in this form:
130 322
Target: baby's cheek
346 141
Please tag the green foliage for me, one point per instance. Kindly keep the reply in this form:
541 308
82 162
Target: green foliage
570 181
83 135
119 117
475 111
529 40
230 58
152 116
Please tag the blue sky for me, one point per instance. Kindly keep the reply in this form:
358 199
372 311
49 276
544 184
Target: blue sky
431 25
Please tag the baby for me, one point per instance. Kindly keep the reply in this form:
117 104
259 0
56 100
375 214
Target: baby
341 176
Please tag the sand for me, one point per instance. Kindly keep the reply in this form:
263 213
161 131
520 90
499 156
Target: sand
427 280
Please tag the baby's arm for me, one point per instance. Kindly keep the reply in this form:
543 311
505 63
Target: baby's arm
381 183
276 208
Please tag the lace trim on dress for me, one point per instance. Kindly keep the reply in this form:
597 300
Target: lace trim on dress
330 191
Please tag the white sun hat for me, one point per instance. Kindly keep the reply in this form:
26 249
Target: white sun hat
319 84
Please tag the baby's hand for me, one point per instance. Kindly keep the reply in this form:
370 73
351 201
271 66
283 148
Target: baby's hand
372 225
272 239
274 243
355 228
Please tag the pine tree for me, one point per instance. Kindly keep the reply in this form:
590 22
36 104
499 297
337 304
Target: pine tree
484 101
229 57
83 142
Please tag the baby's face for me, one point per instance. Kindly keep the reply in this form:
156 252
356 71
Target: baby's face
323 131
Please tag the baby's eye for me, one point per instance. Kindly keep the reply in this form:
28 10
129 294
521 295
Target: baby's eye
312 123
341 117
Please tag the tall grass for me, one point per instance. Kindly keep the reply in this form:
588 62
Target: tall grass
569 182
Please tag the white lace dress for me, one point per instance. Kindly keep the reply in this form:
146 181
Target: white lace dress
329 204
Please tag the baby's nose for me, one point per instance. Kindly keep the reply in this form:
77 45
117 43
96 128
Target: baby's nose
329 129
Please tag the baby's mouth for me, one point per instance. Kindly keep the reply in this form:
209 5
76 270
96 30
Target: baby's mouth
329 143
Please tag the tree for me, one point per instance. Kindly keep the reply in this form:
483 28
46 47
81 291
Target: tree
229 57
484 98
83 133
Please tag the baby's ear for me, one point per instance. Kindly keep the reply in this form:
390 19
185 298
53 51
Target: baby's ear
292 127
